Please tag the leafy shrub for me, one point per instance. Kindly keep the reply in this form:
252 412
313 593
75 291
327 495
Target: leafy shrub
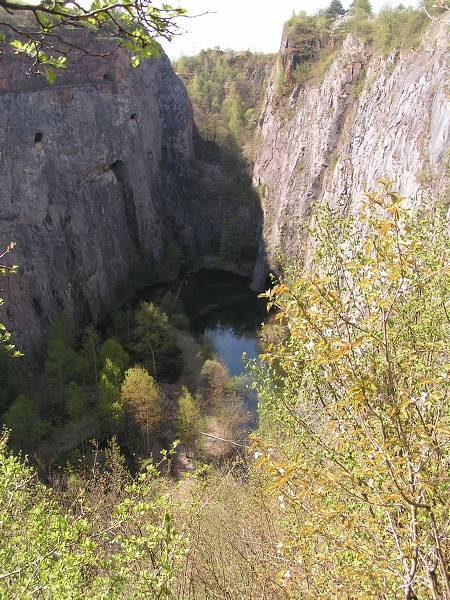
115 539
357 399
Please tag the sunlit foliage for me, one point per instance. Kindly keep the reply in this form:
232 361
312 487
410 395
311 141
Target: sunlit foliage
356 397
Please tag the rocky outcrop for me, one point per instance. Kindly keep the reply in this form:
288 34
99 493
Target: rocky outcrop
90 172
370 118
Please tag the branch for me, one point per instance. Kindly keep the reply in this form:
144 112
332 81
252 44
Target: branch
216 437
134 24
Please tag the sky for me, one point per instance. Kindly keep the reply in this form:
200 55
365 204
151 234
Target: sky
254 25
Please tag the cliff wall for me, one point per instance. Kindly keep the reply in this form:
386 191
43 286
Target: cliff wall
89 182
98 177
370 118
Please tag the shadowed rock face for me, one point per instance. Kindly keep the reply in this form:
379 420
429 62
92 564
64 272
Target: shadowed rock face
89 181
371 118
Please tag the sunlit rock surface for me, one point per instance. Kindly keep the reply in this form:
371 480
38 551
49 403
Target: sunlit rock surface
371 118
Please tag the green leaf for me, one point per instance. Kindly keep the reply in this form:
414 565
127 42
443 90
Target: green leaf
51 75
44 22
18 44
135 61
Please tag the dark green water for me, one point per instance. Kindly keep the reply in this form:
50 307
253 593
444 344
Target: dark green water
221 306
221 309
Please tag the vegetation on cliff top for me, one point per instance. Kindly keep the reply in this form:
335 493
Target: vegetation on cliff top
227 90
314 39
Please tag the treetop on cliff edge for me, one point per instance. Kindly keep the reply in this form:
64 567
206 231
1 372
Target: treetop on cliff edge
44 31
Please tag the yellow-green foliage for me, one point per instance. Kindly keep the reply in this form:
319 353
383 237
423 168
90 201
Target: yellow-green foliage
392 27
141 397
136 29
108 536
358 392
5 336
189 421
348 495
315 39
313 42
398 28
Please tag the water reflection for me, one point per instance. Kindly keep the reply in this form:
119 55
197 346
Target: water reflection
230 348
221 309
221 301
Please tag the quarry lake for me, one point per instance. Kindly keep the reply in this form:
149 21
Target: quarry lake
221 306
223 311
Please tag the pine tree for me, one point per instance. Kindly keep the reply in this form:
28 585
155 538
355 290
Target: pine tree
335 8
26 426
364 5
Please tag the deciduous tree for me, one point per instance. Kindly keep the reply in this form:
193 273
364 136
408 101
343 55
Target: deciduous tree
217 376
5 336
63 364
357 402
75 401
90 349
155 342
63 327
76 408
115 352
142 398
81 551
110 401
189 422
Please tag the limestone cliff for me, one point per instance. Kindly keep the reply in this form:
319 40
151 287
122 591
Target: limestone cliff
89 182
370 118
97 177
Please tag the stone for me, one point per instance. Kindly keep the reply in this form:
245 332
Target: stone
89 176
341 139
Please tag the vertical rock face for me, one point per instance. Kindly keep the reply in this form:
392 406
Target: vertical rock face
89 172
96 178
371 118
